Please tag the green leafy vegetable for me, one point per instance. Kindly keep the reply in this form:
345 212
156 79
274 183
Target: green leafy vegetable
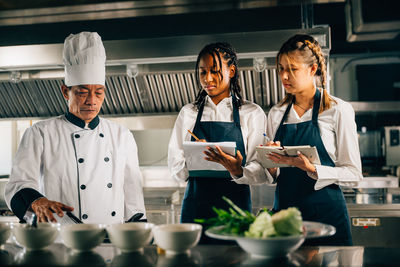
241 222
288 222
236 220
262 227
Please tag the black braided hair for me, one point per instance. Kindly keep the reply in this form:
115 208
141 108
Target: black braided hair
228 53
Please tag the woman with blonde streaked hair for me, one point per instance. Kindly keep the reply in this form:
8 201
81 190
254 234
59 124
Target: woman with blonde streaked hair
308 115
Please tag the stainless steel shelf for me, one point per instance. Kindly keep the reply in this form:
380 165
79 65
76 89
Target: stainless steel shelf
378 106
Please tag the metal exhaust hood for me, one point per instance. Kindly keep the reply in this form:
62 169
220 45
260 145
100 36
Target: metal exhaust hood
165 81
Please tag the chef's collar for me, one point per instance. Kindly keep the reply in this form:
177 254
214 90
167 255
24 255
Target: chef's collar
80 123
227 99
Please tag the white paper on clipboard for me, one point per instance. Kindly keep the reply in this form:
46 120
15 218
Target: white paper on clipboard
194 155
262 153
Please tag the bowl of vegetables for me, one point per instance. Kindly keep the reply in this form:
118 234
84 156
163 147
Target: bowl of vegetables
265 235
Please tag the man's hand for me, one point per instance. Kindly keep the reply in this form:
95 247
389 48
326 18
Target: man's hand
44 208
232 164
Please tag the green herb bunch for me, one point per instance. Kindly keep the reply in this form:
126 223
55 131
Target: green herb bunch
236 220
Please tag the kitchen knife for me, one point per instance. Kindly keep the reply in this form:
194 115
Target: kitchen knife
136 218
73 217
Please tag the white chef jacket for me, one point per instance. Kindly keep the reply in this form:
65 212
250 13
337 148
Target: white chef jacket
252 122
95 171
339 136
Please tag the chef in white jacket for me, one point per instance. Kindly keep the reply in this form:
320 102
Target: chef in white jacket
78 162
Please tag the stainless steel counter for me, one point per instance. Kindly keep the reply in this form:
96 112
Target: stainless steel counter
202 255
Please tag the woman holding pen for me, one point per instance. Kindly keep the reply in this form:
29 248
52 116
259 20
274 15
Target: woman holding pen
308 115
218 114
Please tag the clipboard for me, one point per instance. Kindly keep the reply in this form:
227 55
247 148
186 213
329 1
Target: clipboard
310 152
194 156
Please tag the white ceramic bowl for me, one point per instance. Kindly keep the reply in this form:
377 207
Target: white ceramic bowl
83 237
129 237
5 231
273 247
35 238
177 238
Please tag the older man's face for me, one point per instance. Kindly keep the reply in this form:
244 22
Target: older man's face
84 101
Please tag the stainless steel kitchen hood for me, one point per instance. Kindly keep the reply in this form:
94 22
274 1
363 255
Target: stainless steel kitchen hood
22 12
165 81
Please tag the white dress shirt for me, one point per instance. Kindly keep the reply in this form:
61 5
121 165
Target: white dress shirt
339 136
253 125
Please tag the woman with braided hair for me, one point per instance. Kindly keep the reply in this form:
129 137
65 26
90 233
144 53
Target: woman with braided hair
308 115
218 114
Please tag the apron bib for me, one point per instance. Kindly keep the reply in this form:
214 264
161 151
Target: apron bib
204 192
296 189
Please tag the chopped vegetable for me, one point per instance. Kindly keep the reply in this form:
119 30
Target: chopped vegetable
241 222
288 222
262 227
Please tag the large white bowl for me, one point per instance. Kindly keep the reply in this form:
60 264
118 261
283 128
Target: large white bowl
129 237
275 247
5 231
83 237
35 238
271 247
177 238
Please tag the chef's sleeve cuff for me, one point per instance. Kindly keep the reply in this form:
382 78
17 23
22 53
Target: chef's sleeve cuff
22 200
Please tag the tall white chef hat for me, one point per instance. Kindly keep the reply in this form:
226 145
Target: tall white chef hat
84 58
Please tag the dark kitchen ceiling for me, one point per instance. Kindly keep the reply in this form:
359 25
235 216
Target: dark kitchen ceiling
185 17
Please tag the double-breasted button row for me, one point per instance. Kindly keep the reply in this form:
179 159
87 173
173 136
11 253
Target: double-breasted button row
78 135
83 187
81 160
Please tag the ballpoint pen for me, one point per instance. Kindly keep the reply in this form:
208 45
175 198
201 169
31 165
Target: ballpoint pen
266 139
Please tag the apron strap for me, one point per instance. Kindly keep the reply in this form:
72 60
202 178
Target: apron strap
317 102
200 113
236 118
277 134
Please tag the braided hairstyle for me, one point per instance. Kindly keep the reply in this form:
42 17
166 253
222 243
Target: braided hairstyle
219 51
311 52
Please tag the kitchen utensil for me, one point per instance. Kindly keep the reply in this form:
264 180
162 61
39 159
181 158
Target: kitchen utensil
73 217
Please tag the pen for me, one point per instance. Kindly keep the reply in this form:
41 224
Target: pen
195 137
266 139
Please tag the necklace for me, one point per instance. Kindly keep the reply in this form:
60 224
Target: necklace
305 109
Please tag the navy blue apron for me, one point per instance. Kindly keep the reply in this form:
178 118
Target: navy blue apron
206 191
296 189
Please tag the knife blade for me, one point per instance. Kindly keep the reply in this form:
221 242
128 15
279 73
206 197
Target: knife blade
73 217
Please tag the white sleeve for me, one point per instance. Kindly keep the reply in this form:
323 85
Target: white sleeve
347 170
133 183
176 159
26 166
253 172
